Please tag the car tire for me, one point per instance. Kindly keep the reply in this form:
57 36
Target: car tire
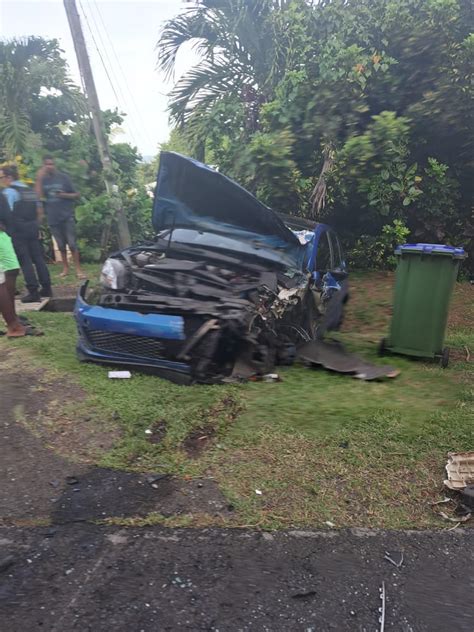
444 360
382 349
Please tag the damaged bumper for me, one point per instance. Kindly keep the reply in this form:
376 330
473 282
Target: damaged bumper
114 336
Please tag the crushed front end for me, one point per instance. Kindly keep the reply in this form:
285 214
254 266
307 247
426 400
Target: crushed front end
193 314
226 291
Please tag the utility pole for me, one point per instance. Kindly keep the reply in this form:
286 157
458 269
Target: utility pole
97 123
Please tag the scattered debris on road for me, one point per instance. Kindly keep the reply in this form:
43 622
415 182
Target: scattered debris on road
304 594
388 557
153 479
6 562
382 608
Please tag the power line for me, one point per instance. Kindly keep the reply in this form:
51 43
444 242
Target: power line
130 121
103 62
132 98
121 98
98 51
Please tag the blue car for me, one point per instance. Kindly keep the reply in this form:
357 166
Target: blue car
227 290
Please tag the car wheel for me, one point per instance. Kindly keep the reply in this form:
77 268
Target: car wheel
382 350
444 361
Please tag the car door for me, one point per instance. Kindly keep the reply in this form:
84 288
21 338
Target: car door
329 287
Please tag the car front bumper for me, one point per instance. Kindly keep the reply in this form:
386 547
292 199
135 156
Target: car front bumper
119 336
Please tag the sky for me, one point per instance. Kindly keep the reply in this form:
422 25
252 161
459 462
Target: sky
125 32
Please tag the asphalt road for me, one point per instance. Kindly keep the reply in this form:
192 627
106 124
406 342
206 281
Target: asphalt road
96 579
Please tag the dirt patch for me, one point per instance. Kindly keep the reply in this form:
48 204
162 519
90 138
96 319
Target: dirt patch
27 467
198 440
461 314
56 411
158 432
42 484
102 493
62 304
461 355
66 290
369 308
220 416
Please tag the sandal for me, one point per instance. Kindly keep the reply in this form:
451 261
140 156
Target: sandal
29 331
23 320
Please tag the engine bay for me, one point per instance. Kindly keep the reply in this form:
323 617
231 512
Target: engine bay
241 317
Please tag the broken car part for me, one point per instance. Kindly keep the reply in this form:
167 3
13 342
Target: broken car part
333 356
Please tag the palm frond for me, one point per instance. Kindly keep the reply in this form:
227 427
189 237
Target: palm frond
15 129
197 26
204 83
19 51
236 40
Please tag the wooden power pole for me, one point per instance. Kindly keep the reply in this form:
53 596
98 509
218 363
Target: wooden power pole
99 130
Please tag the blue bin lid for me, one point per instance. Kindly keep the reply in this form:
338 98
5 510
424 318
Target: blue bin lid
431 249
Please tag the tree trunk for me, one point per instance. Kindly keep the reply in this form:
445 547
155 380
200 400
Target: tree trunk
318 196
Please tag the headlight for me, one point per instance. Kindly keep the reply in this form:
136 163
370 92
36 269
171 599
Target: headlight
114 274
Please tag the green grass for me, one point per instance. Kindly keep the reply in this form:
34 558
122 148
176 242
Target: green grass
321 403
136 404
321 447
91 270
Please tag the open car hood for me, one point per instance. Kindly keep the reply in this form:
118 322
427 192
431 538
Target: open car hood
190 194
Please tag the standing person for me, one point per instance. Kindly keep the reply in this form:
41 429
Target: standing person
26 214
58 193
8 273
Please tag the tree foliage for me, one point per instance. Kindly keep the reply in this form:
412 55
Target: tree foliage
356 111
36 93
42 111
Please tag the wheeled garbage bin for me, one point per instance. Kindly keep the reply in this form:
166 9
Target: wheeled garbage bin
425 278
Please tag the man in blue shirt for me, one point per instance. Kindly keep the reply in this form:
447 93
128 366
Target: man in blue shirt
24 230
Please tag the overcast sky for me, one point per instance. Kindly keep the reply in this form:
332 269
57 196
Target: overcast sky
125 32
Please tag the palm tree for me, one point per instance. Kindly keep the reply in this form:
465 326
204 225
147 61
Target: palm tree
32 71
245 49
241 54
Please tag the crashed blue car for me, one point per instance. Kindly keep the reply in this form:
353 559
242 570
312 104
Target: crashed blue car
227 290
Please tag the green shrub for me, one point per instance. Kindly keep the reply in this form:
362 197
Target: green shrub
378 252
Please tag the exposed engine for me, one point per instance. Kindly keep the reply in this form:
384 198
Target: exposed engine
241 318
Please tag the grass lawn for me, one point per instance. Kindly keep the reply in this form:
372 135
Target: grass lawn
319 446
55 270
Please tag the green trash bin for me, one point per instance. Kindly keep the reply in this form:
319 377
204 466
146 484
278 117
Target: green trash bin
426 274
